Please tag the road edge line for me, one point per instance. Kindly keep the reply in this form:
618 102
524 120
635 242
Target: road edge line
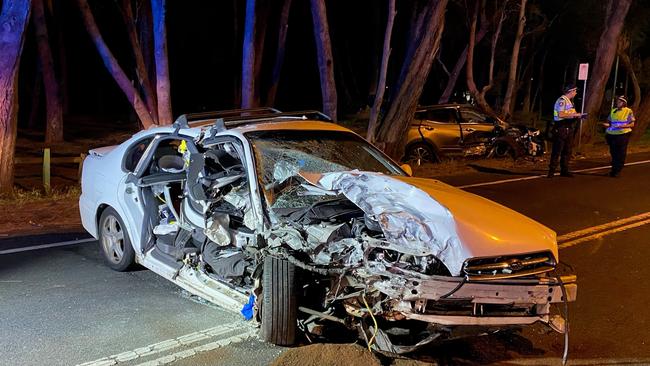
495 182
45 246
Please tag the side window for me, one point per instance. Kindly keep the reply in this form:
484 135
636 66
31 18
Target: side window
439 115
167 157
135 153
470 116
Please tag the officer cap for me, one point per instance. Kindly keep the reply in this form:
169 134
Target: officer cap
569 88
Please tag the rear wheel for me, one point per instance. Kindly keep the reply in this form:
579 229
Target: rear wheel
114 241
279 305
420 153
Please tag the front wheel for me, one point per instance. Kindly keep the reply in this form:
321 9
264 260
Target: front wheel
114 241
279 302
502 149
420 153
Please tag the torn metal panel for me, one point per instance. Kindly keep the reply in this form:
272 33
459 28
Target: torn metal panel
217 229
410 219
284 235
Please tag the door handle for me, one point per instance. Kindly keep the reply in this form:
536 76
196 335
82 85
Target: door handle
469 129
429 128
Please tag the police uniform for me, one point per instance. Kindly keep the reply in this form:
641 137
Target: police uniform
563 134
617 137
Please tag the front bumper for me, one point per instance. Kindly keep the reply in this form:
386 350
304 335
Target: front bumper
452 301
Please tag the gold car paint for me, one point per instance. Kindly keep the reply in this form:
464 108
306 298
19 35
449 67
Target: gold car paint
486 228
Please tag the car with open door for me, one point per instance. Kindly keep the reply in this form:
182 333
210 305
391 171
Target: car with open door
302 224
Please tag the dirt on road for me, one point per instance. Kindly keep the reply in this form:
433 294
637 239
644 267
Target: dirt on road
327 354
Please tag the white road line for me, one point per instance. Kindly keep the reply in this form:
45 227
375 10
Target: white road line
544 175
198 349
602 234
171 344
595 229
44 246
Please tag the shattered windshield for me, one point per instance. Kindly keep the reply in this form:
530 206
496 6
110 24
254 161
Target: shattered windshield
281 155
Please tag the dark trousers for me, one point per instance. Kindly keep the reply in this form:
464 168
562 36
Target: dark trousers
618 150
562 147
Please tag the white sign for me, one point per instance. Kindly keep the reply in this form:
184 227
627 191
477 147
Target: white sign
583 72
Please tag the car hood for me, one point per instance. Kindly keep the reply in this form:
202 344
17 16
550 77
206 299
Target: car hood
486 228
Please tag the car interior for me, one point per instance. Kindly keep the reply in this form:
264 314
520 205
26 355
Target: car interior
197 207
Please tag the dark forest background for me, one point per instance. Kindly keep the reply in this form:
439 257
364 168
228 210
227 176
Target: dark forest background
330 60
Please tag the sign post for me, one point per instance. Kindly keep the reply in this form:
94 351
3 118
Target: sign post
583 74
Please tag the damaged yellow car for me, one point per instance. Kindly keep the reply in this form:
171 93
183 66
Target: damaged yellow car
301 224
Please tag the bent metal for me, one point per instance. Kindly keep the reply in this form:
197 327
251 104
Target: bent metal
301 224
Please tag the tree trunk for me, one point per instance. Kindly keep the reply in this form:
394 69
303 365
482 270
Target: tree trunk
58 16
460 63
113 66
511 91
479 96
162 67
248 58
617 11
262 10
395 125
325 62
642 115
14 16
629 69
279 55
627 64
383 70
141 71
53 105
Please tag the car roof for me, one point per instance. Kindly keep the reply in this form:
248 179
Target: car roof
270 125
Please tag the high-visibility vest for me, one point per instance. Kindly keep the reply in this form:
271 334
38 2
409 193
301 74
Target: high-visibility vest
617 118
562 104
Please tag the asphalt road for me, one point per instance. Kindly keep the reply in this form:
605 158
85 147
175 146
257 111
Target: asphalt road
62 306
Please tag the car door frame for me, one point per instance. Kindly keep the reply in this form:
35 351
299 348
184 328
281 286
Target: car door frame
248 160
133 204
470 136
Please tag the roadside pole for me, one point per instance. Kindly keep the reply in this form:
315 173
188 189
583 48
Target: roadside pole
582 75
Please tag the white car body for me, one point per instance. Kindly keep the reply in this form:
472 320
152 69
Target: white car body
461 217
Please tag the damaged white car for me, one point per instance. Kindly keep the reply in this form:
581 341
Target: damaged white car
301 224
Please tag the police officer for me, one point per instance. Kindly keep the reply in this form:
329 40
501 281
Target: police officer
619 128
564 121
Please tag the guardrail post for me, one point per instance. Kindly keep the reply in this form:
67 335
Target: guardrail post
46 170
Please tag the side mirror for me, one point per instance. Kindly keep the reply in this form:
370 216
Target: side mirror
407 168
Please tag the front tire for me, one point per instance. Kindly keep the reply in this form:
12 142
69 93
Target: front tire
279 303
114 241
420 153
503 149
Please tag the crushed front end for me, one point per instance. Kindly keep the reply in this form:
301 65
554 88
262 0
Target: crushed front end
395 260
